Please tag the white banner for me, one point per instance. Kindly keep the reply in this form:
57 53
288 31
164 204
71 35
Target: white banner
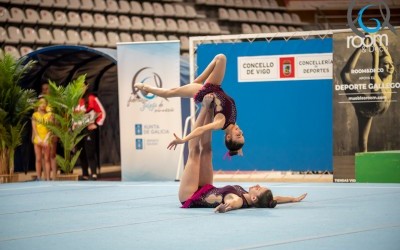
285 67
147 122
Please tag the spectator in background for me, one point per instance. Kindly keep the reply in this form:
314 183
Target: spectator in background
40 139
95 115
53 139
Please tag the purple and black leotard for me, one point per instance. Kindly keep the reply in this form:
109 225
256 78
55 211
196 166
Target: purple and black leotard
227 103
199 198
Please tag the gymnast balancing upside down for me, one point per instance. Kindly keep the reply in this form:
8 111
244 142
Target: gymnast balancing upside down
196 186
224 108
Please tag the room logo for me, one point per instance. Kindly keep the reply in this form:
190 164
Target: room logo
148 76
385 14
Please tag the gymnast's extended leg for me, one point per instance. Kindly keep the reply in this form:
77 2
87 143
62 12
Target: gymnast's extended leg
206 166
214 73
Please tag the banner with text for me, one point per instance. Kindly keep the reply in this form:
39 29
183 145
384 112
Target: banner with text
366 109
283 94
147 122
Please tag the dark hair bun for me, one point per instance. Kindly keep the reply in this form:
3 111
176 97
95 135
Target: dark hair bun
272 203
232 153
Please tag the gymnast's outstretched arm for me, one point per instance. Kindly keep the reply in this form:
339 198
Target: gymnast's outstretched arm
289 199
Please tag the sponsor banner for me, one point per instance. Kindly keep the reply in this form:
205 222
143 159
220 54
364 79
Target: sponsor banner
285 67
284 112
147 122
366 107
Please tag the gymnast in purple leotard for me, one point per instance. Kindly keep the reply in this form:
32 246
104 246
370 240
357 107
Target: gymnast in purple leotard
225 108
196 185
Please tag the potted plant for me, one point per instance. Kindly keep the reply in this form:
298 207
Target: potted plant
68 124
15 108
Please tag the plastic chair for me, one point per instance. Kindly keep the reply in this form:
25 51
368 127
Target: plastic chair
179 10
46 3
3 34
137 23
125 37
193 27
86 38
159 24
158 9
161 37
4 14
150 37
287 18
147 8
124 7
136 8
14 34
270 18
223 14
99 5
24 50
204 27
173 37
60 3
265 3
274 29
183 26
282 28
112 22
242 14
278 17
251 15
265 29
74 19
45 17
113 39
261 16
190 11
13 51
295 18
99 21
100 39
256 28
74 4
73 37
233 15
184 42
29 35
148 24
137 37
60 19
87 20
246 28
87 5
44 36
59 37
32 16
16 15
171 25
169 9
32 2
112 6
124 23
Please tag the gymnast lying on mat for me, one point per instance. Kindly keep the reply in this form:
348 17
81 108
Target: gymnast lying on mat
224 108
196 189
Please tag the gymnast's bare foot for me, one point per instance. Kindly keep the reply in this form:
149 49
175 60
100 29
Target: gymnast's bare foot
208 100
140 86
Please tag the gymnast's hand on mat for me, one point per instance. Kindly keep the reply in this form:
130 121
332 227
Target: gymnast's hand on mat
222 208
300 198
175 142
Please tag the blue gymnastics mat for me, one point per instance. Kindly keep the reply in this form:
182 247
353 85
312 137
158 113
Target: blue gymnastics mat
147 215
